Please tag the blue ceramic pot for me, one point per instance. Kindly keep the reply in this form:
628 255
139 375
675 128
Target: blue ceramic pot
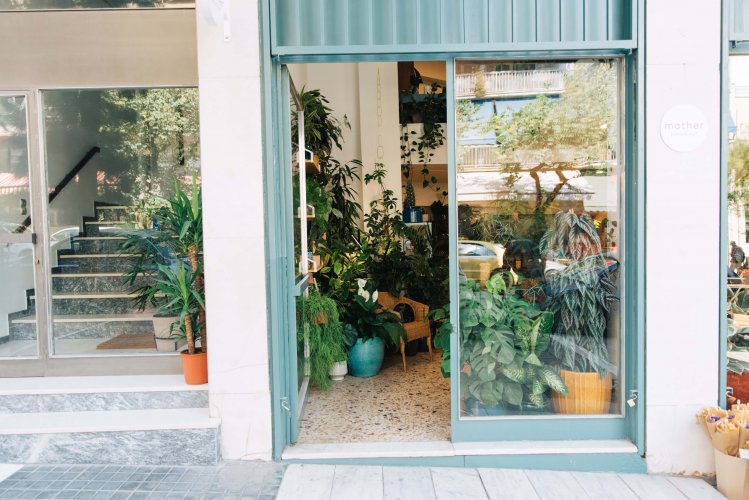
365 358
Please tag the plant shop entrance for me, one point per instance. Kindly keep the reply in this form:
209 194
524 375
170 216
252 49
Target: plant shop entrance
458 241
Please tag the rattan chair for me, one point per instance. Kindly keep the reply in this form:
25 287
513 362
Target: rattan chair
416 329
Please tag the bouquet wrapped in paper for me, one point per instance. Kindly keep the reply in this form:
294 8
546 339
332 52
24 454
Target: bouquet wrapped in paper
728 430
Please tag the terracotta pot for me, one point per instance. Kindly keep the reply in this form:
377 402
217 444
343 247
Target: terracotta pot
195 368
589 394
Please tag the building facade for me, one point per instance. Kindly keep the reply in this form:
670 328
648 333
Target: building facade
81 78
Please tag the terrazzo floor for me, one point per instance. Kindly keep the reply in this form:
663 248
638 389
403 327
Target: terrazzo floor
391 406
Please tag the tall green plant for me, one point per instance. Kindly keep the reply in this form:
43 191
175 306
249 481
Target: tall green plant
178 240
580 295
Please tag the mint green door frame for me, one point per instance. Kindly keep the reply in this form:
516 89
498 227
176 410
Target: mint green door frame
279 240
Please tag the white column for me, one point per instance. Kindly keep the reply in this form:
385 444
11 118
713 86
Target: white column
682 219
231 151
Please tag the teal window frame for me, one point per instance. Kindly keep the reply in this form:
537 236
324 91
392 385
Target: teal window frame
277 237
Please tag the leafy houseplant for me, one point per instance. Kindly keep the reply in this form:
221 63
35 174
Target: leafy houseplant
375 327
580 297
324 333
504 340
174 253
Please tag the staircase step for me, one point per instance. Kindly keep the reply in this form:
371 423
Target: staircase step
187 436
96 263
72 394
85 326
105 228
95 282
97 244
91 303
112 212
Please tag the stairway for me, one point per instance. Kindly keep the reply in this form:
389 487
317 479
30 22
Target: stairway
133 420
90 299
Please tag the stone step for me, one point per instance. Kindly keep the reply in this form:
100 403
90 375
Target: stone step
91 303
185 436
105 228
95 282
97 244
95 263
112 212
113 393
84 326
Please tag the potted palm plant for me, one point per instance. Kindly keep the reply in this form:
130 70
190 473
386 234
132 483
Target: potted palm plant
172 258
580 297
375 328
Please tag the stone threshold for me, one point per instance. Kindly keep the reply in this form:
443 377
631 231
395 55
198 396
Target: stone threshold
418 449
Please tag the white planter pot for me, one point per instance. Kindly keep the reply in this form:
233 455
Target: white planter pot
338 371
162 324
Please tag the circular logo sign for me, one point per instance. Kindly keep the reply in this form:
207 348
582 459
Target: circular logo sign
683 128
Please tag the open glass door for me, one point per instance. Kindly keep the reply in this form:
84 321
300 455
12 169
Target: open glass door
538 289
293 161
20 339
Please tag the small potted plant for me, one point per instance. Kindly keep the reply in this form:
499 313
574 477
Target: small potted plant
318 315
580 297
375 328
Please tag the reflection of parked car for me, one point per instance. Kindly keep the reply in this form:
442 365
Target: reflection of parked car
478 260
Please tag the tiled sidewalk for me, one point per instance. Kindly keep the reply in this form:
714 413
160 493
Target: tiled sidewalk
232 480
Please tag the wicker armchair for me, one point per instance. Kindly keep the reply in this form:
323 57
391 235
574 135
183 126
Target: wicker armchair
417 329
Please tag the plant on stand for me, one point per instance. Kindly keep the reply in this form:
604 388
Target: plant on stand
580 297
172 258
375 328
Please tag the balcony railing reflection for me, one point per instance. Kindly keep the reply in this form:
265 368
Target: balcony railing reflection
509 83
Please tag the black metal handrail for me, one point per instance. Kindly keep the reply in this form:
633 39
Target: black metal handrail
63 183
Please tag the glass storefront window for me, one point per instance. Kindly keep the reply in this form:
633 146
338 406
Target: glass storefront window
94 4
115 160
540 249
737 377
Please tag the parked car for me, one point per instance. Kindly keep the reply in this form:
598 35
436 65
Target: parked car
478 260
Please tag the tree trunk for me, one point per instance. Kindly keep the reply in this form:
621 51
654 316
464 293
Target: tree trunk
195 264
189 334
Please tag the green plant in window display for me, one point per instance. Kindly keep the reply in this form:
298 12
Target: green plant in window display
504 341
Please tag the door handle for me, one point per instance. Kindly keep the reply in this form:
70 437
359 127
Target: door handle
33 238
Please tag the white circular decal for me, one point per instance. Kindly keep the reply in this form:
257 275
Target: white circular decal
683 128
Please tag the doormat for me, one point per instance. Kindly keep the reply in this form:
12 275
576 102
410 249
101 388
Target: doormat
130 341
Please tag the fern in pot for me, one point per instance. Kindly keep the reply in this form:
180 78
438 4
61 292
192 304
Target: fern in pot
581 295
319 325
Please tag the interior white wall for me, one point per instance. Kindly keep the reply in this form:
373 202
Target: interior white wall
683 214
233 211
97 48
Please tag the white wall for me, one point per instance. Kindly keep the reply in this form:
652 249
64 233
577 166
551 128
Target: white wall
682 317
97 48
232 159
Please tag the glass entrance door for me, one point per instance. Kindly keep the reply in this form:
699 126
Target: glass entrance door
20 306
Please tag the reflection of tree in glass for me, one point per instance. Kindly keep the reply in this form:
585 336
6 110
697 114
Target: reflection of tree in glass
561 135
13 136
156 131
738 167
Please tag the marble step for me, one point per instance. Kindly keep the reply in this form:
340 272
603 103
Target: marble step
112 212
105 228
97 244
114 393
91 303
185 436
95 282
84 326
95 263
